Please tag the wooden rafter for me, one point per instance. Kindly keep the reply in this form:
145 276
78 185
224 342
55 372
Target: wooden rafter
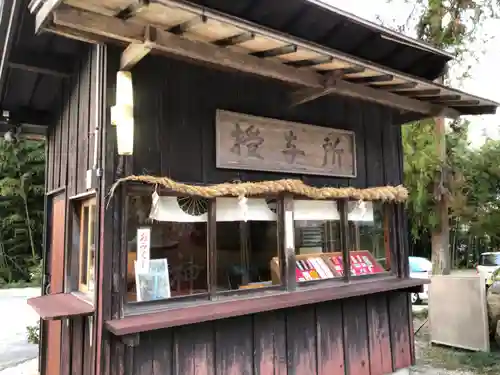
135 52
235 40
397 86
372 79
421 93
185 26
57 65
77 21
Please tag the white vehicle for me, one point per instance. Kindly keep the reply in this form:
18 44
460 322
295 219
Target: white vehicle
488 262
420 268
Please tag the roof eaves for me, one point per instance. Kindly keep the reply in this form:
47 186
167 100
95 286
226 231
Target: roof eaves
385 31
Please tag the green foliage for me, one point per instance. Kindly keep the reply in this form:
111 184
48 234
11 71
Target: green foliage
33 334
472 183
468 179
22 178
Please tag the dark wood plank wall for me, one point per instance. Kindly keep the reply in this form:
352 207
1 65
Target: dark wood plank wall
175 106
70 154
358 336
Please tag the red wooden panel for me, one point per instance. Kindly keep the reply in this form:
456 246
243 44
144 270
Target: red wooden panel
61 305
57 245
162 342
234 346
301 340
400 330
143 356
379 335
330 339
53 363
77 346
194 349
56 270
270 343
356 336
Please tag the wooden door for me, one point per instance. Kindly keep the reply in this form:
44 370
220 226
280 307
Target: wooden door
56 281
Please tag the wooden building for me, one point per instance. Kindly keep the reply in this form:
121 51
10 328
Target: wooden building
152 266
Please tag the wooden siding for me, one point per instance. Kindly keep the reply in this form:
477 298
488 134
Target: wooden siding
71 136
175 107
358 336
70 153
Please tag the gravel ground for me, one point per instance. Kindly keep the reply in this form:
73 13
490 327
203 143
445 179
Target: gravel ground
16 315
29 367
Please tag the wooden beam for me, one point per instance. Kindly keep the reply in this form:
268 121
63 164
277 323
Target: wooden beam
290 48
305 95
462 103
397 86
185 26
372 79
135 52
350 70
235 40
33 123
133 32
44 13
311 62
58 65
442 98
418 93
132 10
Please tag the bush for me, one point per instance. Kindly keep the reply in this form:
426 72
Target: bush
35 272
33 334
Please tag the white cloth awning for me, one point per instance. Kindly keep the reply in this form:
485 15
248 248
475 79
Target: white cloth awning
315 210
168 209
227 209
360 211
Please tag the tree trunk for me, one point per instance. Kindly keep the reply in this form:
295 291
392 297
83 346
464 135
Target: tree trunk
441 235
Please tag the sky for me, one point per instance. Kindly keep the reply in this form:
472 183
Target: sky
482 75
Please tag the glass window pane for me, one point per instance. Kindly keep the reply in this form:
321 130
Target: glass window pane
317 240
247 251
369 238
84 260
91 249
178 247
489 259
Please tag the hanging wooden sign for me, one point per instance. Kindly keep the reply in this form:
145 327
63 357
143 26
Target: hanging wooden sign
263 144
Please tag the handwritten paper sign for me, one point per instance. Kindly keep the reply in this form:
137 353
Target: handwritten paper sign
143 249
264 144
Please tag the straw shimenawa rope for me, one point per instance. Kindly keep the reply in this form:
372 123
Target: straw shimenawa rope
296 187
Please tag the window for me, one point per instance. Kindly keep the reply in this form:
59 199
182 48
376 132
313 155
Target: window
489 259
247 246
192 247
86 216
177 231
317 240
246 238
369 251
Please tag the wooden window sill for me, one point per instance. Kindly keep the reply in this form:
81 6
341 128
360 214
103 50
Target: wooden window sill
61 305
213 310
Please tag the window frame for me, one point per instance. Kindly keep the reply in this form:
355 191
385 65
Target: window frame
90 204
286 255
76 207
